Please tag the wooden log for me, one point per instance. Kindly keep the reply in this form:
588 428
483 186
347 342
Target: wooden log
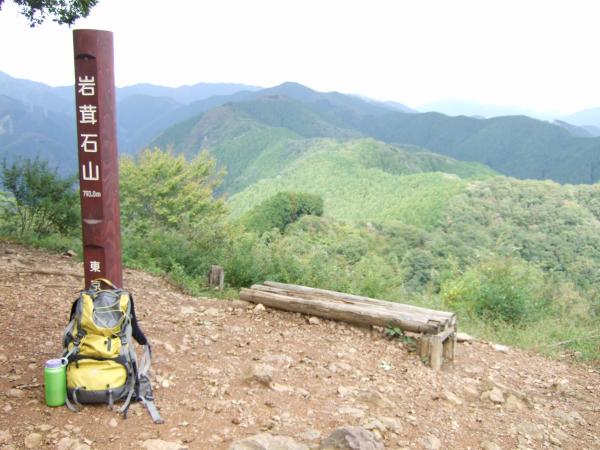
449 347
339 311
216 277
436 321
295 290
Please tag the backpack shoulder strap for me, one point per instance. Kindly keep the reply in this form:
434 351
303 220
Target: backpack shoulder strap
136 331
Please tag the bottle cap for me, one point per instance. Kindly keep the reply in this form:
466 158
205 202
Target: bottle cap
54 363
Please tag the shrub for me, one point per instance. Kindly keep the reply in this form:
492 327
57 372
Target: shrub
499 290
281 210
42 202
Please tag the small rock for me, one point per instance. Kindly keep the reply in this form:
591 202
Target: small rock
169 347
67 443
44 427
3 357
464 337
159 444
513 403
431 442
531 430
259 309
344 391
70 253
570 418
310 435
451 397
314 321
495 395
375 398
350 411
266 441
500 348
489 445
113 423
212 312
351 438
5 437
33 440
15 393
187 310
166 383
392 424
263 373
470 392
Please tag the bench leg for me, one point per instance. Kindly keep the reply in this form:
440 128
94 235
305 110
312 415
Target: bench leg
450 347
436 352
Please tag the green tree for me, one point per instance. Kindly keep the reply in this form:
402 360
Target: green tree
161 190
63 12
281 210
43 202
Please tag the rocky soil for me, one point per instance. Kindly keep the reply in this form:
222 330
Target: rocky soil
229 375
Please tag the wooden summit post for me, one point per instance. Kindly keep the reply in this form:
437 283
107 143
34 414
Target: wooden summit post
97 150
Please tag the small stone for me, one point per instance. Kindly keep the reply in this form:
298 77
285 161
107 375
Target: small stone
212 312
310 435
15 393
159 444
33 440
187 310
352 438
3 357
344 391
263 373
169 347
266 441
350 411
7 408
70 253
259 309
513 403
489 445
470 392
500 348
314 321
431 442
451 397
166 383
464 337
5 437
44 427
392 424
113 423
495 395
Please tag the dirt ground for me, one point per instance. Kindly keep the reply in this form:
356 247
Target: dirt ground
209 356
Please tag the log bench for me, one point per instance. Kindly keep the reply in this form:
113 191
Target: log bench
437 329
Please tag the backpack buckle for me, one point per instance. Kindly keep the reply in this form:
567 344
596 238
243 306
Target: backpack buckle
96 285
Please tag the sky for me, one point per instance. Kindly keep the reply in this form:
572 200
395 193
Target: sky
534 54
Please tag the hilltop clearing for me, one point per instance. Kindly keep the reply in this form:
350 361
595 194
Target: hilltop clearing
207 361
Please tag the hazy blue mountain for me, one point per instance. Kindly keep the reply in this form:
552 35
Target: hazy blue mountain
592 129
586 117
185 94
36 94
574 130
31 131
454 107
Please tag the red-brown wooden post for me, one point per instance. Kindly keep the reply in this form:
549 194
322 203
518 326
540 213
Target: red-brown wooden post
98 158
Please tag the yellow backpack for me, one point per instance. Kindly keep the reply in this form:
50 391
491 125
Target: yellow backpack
98 346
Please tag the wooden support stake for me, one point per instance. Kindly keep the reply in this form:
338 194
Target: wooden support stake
436 352
216 277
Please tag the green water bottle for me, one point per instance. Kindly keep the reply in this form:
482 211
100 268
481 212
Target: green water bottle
55 381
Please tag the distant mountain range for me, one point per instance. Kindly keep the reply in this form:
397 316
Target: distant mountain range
240 122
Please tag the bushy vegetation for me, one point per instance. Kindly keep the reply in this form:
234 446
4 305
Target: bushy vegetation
281 210
37 201
518 260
